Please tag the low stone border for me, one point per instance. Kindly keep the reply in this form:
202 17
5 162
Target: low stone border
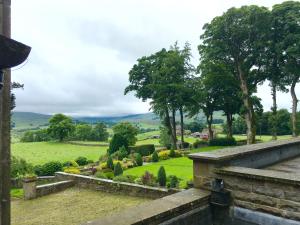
47 189
111 186
18 183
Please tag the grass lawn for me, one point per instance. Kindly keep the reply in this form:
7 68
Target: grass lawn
72 206
181 167
42 152
264 138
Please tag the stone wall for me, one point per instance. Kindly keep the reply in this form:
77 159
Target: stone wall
188 207
47 189
18 183
110 186
271 192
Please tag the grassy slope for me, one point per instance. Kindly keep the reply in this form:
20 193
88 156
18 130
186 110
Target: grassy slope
41 152
72 206
181 167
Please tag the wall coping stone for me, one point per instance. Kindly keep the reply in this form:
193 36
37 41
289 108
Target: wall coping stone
228 154
54 184
157 210
261 174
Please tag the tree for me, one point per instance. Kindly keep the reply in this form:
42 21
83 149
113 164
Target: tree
138 159
165 137
116 143
286 17
60 126
127 130
83 132
110 163
118 169
155 157
238 38
195 126
100 132
161 176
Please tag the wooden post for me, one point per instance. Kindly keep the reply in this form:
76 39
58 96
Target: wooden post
5 29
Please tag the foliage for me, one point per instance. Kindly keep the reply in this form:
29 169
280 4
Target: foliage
194 126
48 169
126 130
120 154
222 142
117 142
81 161
100 132
148 179
110 163
60 127
172 153
72 170
118 169
165 138
138 159
72 163
101 175
36 136
144 150
199 143
86 132
155 157
174 181
161 176
127 178
19 167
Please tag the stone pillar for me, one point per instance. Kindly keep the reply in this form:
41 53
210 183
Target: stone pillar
203 173
29 187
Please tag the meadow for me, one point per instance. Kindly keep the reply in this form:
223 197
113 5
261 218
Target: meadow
42 152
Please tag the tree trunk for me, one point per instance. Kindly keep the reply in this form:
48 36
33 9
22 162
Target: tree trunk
249 115
209 120
274 113
294 107
229 125
174 128
181 126
169 126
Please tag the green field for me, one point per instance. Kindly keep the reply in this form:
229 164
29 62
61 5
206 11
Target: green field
181 167
42 152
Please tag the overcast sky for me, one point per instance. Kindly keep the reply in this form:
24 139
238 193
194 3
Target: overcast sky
82 50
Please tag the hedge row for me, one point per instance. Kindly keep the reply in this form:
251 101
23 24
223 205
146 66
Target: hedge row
144 150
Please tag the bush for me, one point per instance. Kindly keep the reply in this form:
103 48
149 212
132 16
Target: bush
82 161
19 167
138 181
199 143
138 159
70 163
72 170
128 178
109 175
110 163
161 176
120 154
100 175
116 143
185 145
155 157
144 150
173 181
222 142
118 169
148 179
48 169
172 153
163 155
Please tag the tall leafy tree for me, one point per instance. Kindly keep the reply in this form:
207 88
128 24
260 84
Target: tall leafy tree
127 130
286 17
238 38
60 127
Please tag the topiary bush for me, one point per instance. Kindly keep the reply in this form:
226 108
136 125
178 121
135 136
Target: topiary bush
155 157
161 176
138 159
70 163
144 150
81 161
222 142
110 163
118 169
185 145
174 181
172 153
120 154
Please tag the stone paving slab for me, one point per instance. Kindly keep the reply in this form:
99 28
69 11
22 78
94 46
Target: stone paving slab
157 210
288 166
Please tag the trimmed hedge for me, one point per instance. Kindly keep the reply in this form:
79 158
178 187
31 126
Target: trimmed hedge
199 143
144 150
222 142
48 169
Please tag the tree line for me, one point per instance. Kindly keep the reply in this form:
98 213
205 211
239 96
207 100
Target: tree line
239 50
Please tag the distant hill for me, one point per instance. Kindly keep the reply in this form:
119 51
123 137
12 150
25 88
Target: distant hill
29 120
